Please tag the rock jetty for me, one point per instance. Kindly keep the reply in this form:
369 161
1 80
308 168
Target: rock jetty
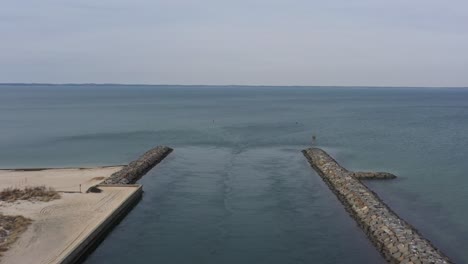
136 169
397 241
373 175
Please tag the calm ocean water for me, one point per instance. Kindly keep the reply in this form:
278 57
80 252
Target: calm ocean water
237 189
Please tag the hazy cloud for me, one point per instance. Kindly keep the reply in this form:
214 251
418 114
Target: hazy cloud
295 42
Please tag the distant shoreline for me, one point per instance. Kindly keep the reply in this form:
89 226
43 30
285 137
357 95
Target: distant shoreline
232 85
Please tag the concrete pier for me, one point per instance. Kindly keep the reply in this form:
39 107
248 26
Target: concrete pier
66 230
126 177
79 250
397 241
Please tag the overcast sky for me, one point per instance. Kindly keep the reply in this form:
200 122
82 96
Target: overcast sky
259 42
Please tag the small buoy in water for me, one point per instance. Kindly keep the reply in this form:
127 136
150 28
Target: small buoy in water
313 139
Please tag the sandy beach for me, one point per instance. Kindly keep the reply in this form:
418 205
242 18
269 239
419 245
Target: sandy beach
60 225
61 179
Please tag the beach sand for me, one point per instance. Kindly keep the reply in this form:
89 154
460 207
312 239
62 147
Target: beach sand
62 179
60 225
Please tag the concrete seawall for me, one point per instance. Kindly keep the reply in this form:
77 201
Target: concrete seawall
136 169
87 245
397 241
126 177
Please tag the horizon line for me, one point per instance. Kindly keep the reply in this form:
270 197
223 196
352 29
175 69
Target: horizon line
225 85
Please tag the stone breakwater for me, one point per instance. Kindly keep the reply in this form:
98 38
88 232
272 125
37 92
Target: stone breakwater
373 175
397 241
136 169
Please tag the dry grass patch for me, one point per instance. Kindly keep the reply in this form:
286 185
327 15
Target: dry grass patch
10 229
38 193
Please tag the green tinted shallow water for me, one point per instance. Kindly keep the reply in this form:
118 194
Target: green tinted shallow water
237 188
